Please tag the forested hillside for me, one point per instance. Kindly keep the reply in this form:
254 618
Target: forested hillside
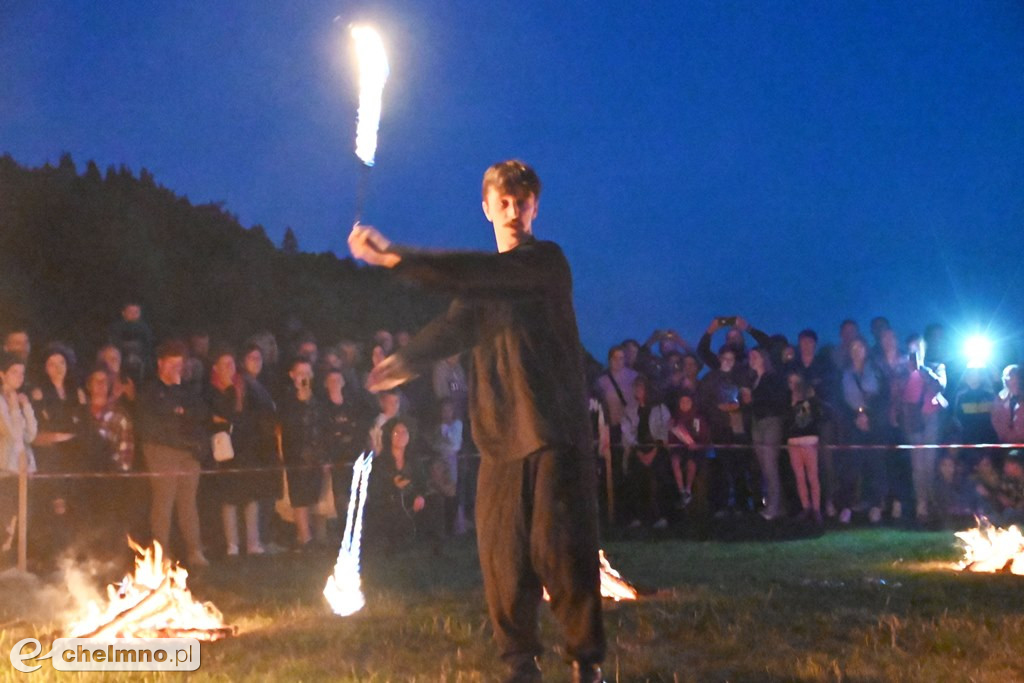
74 247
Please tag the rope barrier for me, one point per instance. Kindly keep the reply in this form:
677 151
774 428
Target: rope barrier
476 456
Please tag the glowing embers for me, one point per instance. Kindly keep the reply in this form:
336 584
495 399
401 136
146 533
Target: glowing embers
613 586
344 589
154 602
988 548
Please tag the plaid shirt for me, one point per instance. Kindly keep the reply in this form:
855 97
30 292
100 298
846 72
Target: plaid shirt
115 429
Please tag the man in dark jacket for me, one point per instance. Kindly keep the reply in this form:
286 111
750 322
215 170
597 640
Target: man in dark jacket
537 496
171 428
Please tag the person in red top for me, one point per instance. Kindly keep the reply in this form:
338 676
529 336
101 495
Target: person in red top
1008 409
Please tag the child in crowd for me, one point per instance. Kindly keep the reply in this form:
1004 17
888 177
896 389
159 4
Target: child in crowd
1003 491
955 501
688 431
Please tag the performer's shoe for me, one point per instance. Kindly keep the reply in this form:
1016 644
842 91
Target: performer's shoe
527 671
586 673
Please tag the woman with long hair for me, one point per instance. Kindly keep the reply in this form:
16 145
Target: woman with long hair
232 413
767 401
802 430
57 403
401 503
864 400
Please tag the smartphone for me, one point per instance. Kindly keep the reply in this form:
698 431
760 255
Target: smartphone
727 321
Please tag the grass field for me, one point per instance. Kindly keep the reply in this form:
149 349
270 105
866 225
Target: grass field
861 605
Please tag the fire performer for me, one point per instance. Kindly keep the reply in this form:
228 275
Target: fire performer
537 507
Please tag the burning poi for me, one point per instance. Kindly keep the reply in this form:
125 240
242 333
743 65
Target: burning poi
373 74
344 587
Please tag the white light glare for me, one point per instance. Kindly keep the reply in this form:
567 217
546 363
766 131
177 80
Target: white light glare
978 350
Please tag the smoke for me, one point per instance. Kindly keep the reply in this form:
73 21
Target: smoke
58 598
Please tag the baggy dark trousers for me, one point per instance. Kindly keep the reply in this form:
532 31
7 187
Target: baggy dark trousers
537 527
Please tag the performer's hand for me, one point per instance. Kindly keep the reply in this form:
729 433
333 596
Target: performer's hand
381 378
367 243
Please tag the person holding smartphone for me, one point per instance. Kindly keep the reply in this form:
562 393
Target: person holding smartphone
734 339
302 447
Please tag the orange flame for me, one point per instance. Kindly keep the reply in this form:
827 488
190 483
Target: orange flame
987 548
154 602
613 586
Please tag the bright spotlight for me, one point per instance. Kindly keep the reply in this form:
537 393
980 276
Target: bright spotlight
978 350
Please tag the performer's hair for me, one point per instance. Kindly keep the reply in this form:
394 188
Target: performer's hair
513 177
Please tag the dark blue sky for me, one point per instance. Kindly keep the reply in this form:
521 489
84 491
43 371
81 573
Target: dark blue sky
793 162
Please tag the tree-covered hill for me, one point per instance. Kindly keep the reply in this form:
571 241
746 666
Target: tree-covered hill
74 247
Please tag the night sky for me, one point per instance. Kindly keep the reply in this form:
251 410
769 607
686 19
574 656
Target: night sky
793 162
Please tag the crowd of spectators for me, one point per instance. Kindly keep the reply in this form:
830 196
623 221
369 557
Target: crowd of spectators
224 450
232 450
855 432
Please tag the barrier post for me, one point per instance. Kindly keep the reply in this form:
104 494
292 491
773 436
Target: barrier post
23 511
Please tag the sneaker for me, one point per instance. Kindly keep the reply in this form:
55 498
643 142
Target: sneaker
660 524
845 516
830 509
897 509
687 498
256 549
232 550
875 515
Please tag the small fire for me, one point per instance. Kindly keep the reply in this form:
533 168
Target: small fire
344 589
612 584
373 73
987 548
155 602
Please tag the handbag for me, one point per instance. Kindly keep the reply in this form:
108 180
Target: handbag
222 448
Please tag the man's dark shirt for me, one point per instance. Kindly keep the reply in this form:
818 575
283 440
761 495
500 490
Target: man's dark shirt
170 415
132 335
820 375
514 310
343 432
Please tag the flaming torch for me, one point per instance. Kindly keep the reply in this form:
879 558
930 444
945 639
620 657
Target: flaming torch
344 589
373 73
